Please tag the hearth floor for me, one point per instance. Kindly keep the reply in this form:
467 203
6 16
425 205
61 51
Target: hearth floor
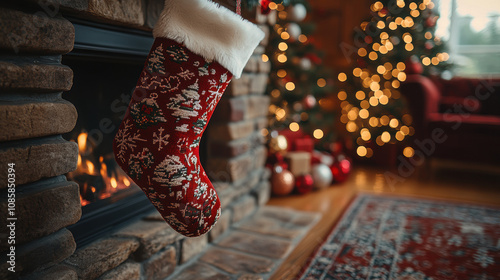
251 249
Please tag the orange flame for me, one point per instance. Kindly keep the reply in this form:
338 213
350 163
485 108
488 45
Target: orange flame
90 167
82 142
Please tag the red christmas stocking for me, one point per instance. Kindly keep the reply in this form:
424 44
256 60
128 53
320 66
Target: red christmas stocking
199 46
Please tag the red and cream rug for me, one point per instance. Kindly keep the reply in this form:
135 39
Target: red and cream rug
382 237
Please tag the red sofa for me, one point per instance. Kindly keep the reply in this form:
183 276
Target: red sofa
462 114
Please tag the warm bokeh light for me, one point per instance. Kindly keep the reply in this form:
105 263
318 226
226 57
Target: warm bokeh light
275 93
342 77
381 69
360 95
351 126
400 136
342 95
282 46
384 120
364 114
362 52
281 73
364 104
290 86
401 66
365 134
408 152
265 58
385 136
361 151
294 126
383 100
394 123
282 58
285 35
318 133
321 82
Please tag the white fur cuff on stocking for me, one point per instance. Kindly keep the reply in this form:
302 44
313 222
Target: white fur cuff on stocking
211 31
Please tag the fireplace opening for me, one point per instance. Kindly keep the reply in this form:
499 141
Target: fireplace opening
106 63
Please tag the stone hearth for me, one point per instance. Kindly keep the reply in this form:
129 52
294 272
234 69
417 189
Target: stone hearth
34 36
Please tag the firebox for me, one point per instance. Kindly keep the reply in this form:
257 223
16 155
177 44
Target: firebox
106 62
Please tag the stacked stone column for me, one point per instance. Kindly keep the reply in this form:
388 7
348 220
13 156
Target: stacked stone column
32 118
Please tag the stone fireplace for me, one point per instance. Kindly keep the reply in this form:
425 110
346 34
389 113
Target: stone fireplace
52 54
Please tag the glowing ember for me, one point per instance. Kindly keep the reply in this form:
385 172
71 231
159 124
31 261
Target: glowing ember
126 182
113 182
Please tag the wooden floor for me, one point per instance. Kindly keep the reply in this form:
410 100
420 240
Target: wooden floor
469 185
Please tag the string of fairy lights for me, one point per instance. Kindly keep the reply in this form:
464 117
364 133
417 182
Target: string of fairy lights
280 109
363 109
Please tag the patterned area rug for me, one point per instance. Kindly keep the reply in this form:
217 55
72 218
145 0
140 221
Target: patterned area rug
381 237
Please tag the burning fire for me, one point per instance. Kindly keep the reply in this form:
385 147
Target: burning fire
97 179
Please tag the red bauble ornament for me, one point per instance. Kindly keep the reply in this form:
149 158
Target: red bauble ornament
314 58
430 22
282 181
304 183
414 66
309 101
264 7
428 45
361 63
341 169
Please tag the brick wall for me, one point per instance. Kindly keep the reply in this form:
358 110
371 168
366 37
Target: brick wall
33 37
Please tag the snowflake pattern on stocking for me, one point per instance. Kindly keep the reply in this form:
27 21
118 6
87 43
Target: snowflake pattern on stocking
160 138
124 140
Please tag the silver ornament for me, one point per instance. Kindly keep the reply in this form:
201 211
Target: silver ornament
322 176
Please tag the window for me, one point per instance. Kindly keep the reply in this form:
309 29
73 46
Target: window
472 31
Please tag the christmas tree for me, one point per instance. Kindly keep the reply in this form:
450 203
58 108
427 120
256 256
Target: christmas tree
397 39
301 92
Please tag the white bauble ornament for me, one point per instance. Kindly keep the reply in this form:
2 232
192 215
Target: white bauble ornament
322 176
294 30
297 12
305 63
